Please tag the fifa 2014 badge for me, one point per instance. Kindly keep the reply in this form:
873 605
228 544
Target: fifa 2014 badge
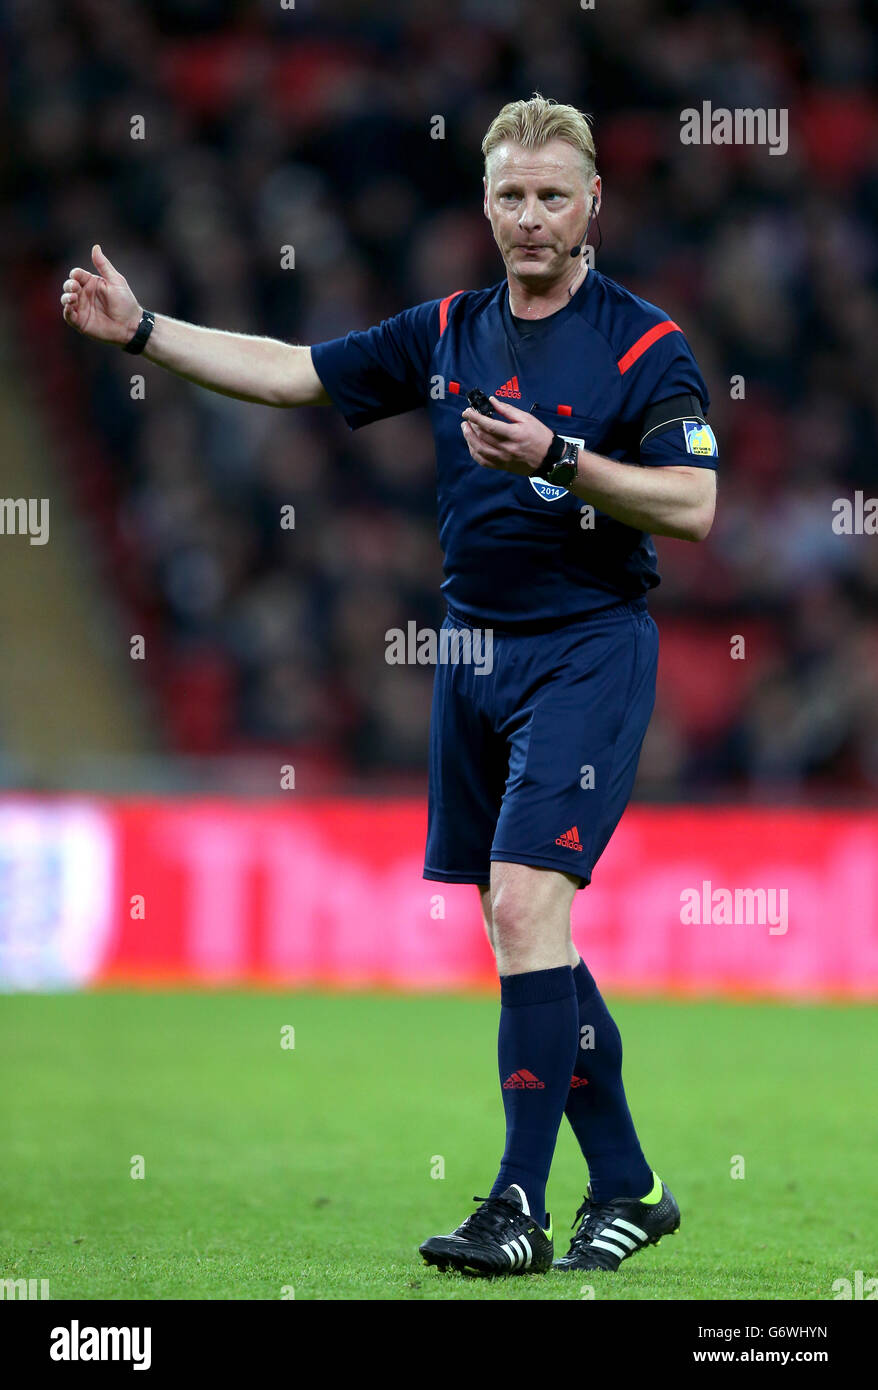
550 492
700 438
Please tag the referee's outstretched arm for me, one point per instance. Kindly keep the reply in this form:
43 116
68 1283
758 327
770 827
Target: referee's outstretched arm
264 370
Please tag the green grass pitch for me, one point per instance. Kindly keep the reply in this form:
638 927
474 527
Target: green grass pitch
309 1169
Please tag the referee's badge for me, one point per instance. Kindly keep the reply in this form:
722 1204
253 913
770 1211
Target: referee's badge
550 492
700 438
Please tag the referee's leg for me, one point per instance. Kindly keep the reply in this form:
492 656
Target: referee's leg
527 917
533 913
600 693
526 912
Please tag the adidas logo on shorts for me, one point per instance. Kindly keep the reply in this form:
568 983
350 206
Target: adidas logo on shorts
570 839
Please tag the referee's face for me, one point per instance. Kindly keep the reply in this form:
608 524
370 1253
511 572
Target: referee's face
537 202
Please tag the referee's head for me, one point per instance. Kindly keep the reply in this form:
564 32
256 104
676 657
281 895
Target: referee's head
541 187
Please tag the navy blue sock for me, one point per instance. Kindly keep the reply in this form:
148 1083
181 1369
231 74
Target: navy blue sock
598 1111
536 1050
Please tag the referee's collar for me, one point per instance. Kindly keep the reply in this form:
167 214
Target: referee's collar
529 328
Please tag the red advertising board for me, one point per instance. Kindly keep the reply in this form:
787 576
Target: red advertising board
331 894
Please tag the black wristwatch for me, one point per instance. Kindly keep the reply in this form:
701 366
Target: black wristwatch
144 328
561 463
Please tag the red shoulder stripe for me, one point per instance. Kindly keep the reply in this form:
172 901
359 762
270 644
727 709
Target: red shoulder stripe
443 311
645 341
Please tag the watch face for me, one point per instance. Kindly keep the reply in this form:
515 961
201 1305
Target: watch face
565 470
562 474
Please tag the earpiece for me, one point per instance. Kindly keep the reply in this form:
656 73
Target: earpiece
577 250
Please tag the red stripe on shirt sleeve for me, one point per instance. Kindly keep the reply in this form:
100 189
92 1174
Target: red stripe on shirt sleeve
443 311
646 341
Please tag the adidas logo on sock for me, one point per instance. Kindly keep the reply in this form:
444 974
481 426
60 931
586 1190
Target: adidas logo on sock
523 1081
578 1081
510 388
570 839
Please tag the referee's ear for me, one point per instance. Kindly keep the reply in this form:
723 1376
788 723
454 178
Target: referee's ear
485 203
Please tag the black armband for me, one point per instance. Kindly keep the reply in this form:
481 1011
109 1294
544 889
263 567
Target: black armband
660 417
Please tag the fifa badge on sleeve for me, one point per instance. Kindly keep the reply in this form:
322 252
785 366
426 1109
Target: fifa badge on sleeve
700 438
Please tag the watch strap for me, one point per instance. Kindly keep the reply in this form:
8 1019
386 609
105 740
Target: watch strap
553 455
144 328
561 454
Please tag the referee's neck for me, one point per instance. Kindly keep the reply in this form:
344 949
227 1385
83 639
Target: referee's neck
539 303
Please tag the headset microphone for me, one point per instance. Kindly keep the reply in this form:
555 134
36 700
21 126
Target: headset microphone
577 250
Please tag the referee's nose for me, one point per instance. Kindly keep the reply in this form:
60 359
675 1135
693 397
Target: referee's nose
529 220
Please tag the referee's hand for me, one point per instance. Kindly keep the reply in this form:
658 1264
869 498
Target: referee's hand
101 306
517 443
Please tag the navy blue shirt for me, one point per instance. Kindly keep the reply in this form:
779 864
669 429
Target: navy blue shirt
517 550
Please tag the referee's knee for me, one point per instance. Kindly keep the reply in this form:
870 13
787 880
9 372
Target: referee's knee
524 939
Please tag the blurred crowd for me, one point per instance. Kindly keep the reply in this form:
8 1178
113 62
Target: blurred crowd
311 127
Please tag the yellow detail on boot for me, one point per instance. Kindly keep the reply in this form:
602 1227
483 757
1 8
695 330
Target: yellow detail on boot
655 1193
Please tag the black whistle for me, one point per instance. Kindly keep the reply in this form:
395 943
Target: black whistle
480 402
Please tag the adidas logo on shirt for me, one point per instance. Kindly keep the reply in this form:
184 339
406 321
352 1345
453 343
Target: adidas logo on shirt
510 389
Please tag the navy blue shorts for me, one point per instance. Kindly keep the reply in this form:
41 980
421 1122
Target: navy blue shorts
534 761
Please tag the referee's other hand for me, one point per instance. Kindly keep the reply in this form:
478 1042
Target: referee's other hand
101 306
516 443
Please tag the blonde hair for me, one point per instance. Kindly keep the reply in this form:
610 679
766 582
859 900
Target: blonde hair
533 122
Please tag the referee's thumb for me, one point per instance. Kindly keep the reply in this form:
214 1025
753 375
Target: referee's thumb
105 266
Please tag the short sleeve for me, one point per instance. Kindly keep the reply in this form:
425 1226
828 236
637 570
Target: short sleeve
383 370
680 434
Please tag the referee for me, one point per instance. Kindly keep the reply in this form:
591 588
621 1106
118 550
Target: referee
590 436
